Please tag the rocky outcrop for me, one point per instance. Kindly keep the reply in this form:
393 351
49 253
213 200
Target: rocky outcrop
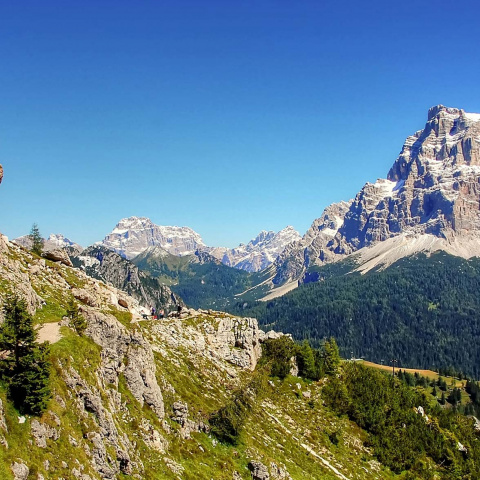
232 339
125 352
259 470
106 265
41 432
20 471
1 173
279 472
85 297
16 276
58 255
3 427
187 426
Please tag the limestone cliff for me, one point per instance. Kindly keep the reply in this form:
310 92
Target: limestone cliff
432 189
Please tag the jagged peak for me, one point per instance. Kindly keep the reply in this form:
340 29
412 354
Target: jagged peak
439 109
132 222
442 110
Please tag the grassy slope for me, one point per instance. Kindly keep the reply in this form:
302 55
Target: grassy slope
282 428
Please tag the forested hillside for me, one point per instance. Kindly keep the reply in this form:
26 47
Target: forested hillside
425 312
200 280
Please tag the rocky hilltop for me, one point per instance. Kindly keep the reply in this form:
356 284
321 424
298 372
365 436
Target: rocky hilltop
132 398
431 192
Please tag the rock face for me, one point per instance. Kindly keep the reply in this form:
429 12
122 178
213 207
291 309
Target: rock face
133 235
314 245
433 188
12 272
235 340
104 264
259 253
1 174
58 255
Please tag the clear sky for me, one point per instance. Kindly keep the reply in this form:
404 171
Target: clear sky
226 116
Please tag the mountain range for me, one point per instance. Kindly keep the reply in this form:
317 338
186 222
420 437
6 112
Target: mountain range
201 394
428 202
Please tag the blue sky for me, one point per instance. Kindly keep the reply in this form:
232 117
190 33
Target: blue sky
229 117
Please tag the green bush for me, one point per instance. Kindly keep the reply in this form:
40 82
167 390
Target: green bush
228 422
277 354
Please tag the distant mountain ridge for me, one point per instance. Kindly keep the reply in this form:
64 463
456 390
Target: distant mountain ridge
259 253
429 201
54 241
134 235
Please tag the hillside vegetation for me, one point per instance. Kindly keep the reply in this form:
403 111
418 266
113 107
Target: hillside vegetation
153 399
200 280
424 312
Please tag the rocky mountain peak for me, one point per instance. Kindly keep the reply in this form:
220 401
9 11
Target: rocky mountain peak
433 188
440 109
451 138
133 235
133 223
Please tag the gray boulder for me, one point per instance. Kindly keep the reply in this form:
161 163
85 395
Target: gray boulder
58 255
259 470
20 471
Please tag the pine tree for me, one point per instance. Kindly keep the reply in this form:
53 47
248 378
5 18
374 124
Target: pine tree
36 239
77 321
17 335
331 356
25 367
306 362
